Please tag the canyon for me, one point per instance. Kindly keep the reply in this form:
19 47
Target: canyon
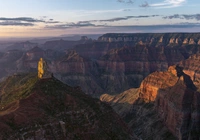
103 66
151 80
165 106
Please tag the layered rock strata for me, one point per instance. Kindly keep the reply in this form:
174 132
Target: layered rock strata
167 103
154 38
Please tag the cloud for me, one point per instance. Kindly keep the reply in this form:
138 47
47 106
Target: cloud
71 25
51 21
90 23
184 16
165 4
11 23
25 19
123 18
145 4
126 10
93 12
181 27
125 1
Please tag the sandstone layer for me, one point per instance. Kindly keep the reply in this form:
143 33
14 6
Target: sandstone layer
167 106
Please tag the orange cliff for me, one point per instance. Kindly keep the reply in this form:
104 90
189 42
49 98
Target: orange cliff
176 101
151 84
170 100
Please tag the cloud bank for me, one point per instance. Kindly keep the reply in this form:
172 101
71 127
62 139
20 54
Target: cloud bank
165 4
184 16
125 1
24 21
91 23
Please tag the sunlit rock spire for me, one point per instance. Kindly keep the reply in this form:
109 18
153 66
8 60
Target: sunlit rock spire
43 69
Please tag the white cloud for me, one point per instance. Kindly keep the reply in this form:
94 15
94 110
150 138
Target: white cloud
168 4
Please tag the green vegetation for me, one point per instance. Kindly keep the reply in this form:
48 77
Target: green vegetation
16 87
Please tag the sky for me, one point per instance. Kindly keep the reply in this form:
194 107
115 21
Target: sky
42 18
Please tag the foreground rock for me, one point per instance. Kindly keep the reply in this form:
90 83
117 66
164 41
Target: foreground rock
48 109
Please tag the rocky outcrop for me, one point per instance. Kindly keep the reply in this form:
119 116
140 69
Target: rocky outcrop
170 98
161 39
136 109
154 38
176 101
178 107
118 70
151 85
172 41
115 68
75 70
191 67
185 41
131 57
192 42
49 109
122 103
198 42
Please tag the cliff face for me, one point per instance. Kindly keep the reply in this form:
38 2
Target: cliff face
49 109
75 70
122 61
154 39
166 105
95 50
176 101
178 107
151 85
121 68
122 103
192 67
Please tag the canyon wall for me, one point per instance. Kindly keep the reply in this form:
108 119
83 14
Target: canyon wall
167 99
105 66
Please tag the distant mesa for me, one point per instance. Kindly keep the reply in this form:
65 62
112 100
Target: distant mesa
84 38
153 38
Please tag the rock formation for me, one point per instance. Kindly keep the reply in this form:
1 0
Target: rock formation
43 69
49 109
167 99
178 107
103 66
128 62
153 38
